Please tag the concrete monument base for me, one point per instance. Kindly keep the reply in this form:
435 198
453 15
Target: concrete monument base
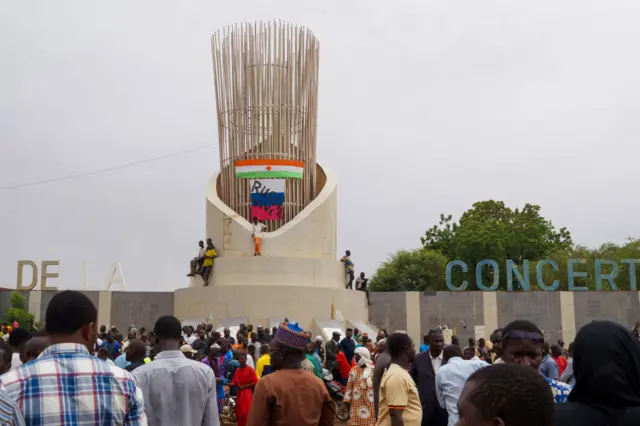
260 304
274 271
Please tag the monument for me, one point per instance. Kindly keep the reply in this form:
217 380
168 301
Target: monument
266 88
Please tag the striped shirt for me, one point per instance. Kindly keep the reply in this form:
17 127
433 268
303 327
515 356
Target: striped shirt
65 385
9 414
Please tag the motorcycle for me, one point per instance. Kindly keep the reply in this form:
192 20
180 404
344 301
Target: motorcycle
228 412
336 392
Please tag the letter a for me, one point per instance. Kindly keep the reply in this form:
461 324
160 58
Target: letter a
113 278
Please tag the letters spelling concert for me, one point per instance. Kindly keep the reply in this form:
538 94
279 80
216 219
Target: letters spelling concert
521 274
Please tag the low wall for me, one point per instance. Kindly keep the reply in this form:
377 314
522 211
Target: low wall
559 314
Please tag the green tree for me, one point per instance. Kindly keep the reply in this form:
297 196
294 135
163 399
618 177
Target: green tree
17 310
491 230
411 270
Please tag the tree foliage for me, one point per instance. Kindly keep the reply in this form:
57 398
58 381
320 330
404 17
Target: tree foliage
17 310
411 270
490 230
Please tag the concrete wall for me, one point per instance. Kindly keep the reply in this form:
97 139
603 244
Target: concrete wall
462 311
260 304
541 308
117 308
139 308
559 314
388 310
620 306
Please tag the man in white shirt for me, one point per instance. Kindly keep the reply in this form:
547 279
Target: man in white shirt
361 284
177 390
196 263
258 228
451 377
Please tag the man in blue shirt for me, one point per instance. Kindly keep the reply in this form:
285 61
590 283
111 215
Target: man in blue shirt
548 367
112 347
348 345
451 377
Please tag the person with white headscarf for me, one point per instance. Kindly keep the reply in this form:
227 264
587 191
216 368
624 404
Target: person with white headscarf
359 391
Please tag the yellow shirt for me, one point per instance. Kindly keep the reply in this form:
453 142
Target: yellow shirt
210 253
262 361
399 392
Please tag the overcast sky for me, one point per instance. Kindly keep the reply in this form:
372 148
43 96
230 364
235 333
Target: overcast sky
425 108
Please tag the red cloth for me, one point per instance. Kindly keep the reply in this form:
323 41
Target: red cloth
343 365
562 364
242 377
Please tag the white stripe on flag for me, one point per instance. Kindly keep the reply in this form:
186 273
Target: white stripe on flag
266 186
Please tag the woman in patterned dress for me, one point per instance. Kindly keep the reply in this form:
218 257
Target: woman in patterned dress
359 392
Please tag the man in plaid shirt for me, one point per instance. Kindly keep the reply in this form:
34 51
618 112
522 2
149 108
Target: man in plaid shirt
66 385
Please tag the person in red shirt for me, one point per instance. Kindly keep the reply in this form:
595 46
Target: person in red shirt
556 354
343 367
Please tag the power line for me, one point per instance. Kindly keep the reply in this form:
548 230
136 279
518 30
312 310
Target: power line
109 169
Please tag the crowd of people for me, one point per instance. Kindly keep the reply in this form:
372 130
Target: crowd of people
75 373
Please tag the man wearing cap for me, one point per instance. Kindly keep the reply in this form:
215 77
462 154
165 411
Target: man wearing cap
257 342
320 349
331 349
292 397
188 351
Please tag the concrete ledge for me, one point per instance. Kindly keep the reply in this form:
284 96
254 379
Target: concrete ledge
259 304
276 271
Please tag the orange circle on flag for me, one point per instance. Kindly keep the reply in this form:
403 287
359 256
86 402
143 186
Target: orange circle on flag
268 167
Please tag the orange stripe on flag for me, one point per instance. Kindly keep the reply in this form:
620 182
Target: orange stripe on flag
240 163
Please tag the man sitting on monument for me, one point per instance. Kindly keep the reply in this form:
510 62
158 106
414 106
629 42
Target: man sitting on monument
196 262
258 228
362 284
207 264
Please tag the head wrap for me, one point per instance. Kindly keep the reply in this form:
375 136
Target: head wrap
290 334
365 362
607 368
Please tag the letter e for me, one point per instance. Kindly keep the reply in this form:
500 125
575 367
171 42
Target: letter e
572 274
45 274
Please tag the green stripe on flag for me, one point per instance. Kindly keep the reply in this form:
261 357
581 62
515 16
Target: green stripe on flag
265 174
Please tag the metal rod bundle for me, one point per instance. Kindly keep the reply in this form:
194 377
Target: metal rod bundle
266 86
